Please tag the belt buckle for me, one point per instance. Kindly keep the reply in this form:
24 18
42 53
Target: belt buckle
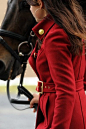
41 89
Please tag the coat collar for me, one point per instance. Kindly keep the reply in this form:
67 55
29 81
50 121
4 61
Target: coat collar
45 25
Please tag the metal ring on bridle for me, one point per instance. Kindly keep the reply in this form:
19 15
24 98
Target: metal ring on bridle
1 37
32 34
25 42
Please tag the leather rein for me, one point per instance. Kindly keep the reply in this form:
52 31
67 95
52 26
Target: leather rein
21 88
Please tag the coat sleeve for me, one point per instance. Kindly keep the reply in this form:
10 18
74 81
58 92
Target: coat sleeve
84 41
85 75
61 70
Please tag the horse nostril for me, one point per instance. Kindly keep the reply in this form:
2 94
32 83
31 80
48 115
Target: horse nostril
2 67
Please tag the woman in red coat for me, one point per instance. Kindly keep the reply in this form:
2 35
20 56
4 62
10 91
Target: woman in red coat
59 62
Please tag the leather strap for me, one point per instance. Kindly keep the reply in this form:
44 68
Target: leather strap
50 87
12 35
45 87
13 53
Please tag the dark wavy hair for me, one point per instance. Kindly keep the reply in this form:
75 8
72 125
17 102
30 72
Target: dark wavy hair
69 15
83 5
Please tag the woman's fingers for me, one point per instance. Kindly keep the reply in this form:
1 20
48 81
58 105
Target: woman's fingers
34 101
34 110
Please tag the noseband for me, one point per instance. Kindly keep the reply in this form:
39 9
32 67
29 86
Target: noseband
21 89
14 36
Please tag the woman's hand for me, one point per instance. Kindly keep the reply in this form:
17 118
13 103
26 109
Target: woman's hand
34 100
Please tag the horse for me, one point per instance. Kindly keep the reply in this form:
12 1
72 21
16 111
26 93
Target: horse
15 28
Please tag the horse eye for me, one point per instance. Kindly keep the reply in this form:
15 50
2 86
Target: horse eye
23 5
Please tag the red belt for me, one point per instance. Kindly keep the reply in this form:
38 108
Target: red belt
45 87
50 87
79 84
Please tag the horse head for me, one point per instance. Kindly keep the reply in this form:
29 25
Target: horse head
18 20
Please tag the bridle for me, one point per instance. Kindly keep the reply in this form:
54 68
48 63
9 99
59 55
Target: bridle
12 35
21 88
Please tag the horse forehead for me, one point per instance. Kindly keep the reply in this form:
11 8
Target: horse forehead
10 1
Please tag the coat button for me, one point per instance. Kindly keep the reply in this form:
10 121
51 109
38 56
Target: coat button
45 87
41 32
48 87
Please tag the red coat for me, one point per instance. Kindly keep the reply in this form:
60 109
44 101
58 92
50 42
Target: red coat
66 107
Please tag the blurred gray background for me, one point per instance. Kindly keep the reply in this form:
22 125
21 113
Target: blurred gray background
11 118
